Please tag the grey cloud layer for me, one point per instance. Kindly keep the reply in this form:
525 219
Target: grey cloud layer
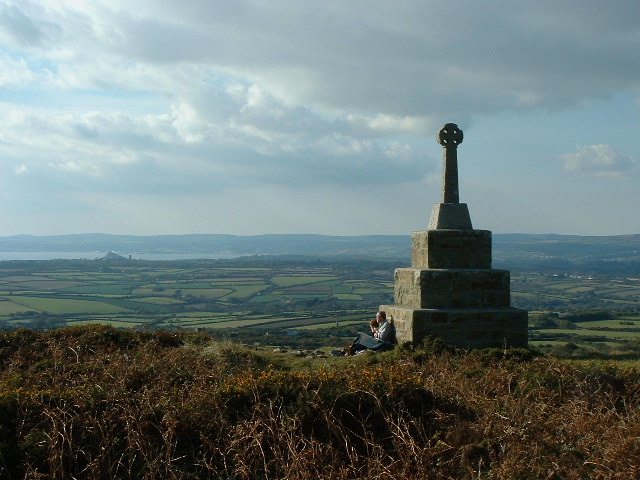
155 96
405 58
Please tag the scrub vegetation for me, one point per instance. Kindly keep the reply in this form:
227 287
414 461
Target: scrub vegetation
98 402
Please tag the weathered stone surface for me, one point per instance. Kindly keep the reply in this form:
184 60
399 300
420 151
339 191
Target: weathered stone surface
450 136
451 291
460 288
450 216
451 249
467 328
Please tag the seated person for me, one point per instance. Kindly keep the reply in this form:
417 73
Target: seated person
385 331
374 327
383 338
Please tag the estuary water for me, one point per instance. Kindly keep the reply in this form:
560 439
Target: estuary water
7 256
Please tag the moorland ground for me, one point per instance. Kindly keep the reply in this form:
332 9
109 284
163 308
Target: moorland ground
98 402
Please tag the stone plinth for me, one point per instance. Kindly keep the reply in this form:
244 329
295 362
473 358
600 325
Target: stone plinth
463 327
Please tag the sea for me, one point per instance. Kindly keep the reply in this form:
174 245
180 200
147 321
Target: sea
8 256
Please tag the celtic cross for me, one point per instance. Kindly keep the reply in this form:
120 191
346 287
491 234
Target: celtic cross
450 136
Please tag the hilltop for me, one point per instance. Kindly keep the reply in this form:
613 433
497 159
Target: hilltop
96 402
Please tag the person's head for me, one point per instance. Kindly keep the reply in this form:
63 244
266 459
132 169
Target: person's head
373 323
381 317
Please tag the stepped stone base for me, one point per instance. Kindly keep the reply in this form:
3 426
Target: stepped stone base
463 327
451 291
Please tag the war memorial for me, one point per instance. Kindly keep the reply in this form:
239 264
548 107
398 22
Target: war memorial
450 290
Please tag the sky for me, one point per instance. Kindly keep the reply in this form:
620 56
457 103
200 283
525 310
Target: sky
252 117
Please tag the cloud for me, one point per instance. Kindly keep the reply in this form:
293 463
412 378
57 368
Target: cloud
410 59
600 161
18 25
20 169
14 72
148 98
200 147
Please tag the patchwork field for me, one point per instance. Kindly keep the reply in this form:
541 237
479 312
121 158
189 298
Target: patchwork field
303 295
189 294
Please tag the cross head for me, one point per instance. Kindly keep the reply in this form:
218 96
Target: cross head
450 136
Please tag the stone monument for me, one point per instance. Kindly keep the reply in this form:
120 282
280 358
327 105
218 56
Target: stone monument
450 290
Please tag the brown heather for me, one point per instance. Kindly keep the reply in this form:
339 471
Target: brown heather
97 403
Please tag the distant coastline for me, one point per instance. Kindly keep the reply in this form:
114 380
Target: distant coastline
561 252
28 256
95 245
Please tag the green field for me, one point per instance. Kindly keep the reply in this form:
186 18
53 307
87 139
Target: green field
189 294
60 306
307 295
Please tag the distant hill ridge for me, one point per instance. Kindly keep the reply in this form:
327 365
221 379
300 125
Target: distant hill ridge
505 246
274 244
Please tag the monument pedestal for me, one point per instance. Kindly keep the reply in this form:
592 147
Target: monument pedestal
451 291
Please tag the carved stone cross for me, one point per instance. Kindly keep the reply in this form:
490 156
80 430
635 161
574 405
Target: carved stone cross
450 214
450 136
